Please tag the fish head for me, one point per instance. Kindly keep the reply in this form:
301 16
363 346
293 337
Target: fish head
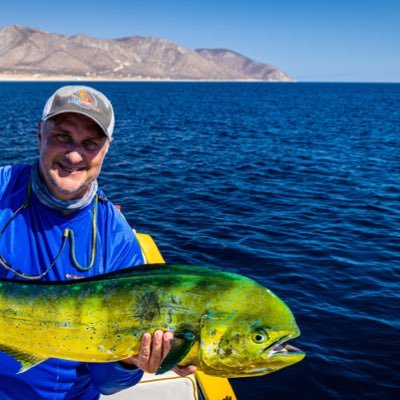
249 342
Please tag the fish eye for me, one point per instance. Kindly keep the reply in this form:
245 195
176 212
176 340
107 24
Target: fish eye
260 336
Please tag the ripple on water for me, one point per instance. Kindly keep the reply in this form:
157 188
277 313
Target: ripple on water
295 185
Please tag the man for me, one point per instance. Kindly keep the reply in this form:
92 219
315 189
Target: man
43 209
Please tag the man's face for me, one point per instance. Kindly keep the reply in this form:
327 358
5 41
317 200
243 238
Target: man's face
72 149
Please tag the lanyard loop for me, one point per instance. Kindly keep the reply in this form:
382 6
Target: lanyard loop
69 232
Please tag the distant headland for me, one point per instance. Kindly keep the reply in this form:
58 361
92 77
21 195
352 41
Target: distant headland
32 54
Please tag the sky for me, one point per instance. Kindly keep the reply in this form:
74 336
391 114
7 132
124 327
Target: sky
325 40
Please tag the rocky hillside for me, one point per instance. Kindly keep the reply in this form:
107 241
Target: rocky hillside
34 52
243 66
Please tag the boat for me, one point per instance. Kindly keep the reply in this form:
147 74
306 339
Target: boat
170 386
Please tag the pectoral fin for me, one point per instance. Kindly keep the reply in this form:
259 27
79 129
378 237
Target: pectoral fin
26 360
180 347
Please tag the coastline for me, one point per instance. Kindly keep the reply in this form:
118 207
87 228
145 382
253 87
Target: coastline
55 78
7 77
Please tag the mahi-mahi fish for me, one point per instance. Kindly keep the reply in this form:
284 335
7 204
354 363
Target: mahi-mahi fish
226 324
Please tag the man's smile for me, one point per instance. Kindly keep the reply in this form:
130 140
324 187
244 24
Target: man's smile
69 169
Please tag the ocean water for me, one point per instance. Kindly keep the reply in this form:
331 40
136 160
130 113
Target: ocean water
295 185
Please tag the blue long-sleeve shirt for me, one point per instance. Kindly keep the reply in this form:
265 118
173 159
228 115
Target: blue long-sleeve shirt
30 243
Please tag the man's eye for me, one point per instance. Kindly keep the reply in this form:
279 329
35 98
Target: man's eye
62 137
90 145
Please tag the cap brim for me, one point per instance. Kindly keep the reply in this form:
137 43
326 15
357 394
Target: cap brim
81 113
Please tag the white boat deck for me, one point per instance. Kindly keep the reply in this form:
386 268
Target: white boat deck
168 386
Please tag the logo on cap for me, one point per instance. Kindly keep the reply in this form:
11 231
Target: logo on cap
83 99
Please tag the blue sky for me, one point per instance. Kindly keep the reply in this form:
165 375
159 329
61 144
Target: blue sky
325 40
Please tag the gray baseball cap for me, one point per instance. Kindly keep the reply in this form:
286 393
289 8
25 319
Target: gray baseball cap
82 100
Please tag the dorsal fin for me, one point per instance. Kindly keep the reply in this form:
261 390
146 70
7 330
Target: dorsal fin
139 270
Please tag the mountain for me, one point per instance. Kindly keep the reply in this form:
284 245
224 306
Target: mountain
243 66
35 53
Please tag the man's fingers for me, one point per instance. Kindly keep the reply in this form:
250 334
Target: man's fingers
168 336
156 351
145 352
153 350
185 371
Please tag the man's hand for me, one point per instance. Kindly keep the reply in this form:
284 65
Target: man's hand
153 351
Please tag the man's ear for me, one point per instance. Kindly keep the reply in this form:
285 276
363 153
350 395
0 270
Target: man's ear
109 144
40 131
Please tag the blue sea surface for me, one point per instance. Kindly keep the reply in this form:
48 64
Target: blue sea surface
296 185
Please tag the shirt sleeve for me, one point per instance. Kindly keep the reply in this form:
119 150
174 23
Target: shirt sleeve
123 249
109 378
5 173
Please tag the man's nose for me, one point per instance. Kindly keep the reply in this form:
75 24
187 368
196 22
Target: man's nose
74 154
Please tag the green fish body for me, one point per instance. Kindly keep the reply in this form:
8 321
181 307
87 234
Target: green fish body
226 324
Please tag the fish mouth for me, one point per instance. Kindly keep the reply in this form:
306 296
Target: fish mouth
281 349
285 350
279 355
